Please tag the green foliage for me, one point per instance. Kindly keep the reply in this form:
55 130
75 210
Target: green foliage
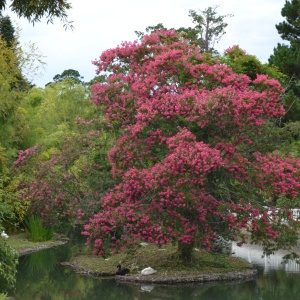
208 30
7 30
287 60
8 266
210 27
247 64
13 86
34 11
150 29
71 165
9 79
72 75
98 78
51 113
37 231
292 145
64 182
12 211
289 29
287 57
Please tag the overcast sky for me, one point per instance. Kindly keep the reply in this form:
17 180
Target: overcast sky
100 25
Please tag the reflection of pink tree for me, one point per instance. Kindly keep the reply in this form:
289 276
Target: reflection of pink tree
192 158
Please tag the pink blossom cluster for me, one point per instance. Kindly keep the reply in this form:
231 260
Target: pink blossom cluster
282 174
24 154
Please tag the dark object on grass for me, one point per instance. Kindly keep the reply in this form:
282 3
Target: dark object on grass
122 271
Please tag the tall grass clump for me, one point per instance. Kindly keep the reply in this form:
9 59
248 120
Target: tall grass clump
37 231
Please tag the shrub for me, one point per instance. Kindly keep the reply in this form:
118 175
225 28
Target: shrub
8 267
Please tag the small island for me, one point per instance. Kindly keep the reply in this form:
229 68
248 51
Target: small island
205 267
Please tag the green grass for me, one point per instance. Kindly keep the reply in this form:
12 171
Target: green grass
37 231
20 242
165 260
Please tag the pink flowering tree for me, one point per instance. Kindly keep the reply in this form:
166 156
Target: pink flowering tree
196 159
63 185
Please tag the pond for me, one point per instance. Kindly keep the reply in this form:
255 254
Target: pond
40 276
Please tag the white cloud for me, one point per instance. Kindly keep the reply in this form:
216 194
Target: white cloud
100 25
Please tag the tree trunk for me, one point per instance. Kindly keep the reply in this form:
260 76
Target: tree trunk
185 251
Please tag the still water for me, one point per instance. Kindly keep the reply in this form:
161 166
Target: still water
40 276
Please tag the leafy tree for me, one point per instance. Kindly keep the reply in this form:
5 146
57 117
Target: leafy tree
196 159
247 64
7 30
34 11
11 91
210 27
150 29
12 211
208 30
69 74
96 79
64 165
50 113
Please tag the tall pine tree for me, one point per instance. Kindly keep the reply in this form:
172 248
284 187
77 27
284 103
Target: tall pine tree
287 57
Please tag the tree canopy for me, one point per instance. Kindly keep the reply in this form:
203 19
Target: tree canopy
74 75
7 30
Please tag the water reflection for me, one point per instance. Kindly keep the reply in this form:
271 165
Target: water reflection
40 276
253 254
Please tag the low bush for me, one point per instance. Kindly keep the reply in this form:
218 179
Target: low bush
8 267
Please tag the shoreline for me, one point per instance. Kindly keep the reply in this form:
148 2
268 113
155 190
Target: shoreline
230 276
41 247
159 278
190 279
